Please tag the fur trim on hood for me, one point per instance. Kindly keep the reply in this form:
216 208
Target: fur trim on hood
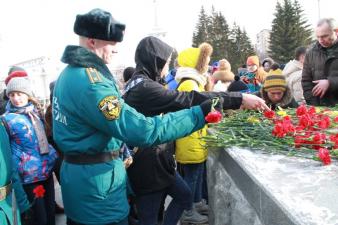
204 57
269 60
81 57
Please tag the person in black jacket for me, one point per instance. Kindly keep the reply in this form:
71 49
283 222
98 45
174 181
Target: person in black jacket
152 174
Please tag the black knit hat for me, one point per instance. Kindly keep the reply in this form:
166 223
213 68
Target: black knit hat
238 85
99 24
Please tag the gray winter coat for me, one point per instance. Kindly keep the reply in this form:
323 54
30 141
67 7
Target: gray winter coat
293 75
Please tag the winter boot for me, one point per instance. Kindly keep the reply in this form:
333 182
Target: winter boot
192 216
202 207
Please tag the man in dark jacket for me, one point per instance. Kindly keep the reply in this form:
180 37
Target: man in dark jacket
275 91
320 70
152 173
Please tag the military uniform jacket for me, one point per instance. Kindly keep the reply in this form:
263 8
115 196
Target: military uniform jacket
9 174
89 116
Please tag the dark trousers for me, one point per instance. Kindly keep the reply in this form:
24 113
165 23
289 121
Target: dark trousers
57 168
123 222
148 205
205 184
193 175
44 208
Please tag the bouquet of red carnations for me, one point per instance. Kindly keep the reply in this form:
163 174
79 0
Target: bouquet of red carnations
309 132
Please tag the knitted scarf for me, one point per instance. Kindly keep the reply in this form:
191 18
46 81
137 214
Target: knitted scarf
191 73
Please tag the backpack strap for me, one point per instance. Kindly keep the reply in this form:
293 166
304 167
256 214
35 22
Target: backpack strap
185 79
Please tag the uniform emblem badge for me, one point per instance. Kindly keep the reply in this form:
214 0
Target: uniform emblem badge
110 107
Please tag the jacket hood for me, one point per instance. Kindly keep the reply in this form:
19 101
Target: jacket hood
291 67
269 60
287 98
150 57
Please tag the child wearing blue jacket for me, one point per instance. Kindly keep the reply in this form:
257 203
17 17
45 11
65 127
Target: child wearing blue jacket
31 153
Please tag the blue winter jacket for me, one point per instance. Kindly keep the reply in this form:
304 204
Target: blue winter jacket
32 166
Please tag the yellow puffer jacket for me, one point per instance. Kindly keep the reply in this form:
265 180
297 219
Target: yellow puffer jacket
190 150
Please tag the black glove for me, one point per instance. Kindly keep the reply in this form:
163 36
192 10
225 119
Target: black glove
27 217
207 104
231 100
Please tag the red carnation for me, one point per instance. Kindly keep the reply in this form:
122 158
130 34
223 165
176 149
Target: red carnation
318 139
324 123
334 139
301 110
324 155
287 118
299 140
336 119
306 121
39 191
279 130
312 110
213 117
269 114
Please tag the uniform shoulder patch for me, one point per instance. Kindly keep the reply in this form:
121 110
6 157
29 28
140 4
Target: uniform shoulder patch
110 107
93 75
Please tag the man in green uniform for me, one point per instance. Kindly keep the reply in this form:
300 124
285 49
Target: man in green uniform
91 122
9 181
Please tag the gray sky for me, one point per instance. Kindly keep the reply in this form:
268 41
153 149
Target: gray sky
35 28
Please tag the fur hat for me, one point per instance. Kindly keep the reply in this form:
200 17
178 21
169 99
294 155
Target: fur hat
19 84
99 24
269 60
238 85
253 60
197 58
224 71
275 80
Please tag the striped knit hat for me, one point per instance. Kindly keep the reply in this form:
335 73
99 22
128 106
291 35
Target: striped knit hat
275 80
